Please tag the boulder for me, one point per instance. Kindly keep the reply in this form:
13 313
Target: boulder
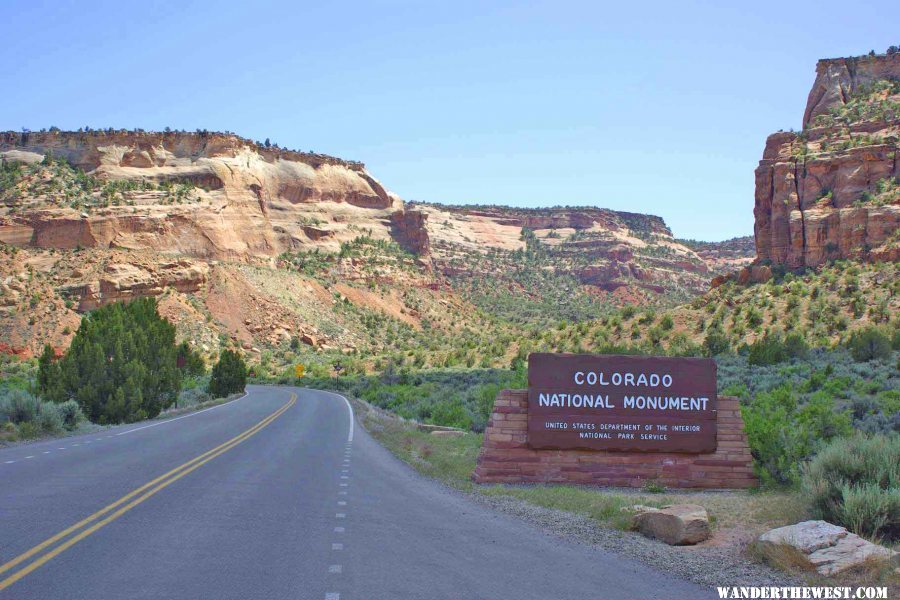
821 546
676 524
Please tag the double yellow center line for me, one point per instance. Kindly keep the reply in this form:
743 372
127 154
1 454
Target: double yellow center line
113 511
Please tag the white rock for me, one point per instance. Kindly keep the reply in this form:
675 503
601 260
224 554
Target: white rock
827 548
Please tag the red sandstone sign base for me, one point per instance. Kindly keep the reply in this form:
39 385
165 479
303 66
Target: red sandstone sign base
505 456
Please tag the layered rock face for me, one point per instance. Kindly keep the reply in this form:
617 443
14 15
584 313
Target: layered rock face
609 251
830 191
249 202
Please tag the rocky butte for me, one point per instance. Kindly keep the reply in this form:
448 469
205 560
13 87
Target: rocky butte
831 191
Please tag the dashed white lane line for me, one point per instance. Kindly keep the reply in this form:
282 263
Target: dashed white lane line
337 546
47 451
339 530
340 515
344 477
335 569
342 493
183 416
344 485
32 456
332 596
63 448
9 462
341 503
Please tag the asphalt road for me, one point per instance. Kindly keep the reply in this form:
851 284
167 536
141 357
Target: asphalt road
276 495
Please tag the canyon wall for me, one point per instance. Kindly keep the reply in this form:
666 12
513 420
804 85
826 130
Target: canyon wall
249 202
830 191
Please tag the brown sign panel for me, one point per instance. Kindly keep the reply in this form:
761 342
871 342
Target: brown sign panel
643 403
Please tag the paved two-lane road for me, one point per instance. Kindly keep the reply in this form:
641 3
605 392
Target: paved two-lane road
276 495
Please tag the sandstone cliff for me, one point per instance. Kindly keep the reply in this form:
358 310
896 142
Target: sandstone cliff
630 254
831 191
247 202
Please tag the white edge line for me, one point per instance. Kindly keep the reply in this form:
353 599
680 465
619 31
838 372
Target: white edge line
184 416
349 408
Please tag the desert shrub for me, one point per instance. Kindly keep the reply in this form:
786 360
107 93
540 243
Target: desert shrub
666 323
33 417
869 343
50 418
855 482
229 375
18 406
451 414
783 434
71 414
716 342
422 395
192 397
773 349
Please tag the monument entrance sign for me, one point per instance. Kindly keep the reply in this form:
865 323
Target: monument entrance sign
628 403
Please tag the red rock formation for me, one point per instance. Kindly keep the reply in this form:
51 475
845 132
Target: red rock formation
408 228
838 78
813 189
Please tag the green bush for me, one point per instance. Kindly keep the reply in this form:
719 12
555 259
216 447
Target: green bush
71 414
716 342
451 414
50 418
773 349
869 343
120 367
229 375
18 406
855 482
33 417
783 434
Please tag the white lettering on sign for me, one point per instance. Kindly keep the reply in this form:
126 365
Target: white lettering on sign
617 379
574 400
665 403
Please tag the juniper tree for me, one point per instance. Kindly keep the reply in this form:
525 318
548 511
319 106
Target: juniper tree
120 367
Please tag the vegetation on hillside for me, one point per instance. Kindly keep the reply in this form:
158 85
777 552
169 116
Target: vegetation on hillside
876 101
55 182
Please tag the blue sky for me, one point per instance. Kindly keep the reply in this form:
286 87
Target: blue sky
656 107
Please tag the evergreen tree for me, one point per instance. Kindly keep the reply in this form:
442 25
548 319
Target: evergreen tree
229 375
189 361
120 367
48 377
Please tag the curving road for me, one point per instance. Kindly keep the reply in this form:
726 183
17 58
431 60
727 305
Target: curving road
276 495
